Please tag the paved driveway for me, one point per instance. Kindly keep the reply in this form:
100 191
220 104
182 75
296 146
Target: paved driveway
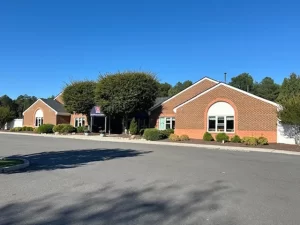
86 182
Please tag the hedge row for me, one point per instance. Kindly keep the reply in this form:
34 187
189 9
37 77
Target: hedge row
153 134
18 129
220 137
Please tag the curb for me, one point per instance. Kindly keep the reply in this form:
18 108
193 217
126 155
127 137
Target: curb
16 167
121 140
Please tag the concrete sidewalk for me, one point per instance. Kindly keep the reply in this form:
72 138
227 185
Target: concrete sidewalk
142 141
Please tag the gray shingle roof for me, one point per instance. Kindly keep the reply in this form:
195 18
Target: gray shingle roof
55 105
159 100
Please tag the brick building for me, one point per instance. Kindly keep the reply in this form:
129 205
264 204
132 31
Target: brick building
216 107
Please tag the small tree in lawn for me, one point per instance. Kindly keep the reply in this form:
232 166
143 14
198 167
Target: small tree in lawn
126 93
290 114
79 97
133 128
5 115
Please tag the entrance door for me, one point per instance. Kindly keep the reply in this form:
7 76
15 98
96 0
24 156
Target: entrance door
162 123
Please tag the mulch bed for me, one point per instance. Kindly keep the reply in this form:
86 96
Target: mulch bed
285 147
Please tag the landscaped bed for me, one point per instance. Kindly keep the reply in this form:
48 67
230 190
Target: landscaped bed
10 162
285 147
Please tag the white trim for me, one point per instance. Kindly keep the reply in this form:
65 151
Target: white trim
198 82
226 85
56 113
58 95
225 124
42 102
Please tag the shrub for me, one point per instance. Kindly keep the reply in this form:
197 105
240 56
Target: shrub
29 129
166 133
45 128
68 129
141 132
174 137
80 129
64 128
16 129
24 128
208 137
184 137
250 141
133 128
236 139
222 137
151 134
262 141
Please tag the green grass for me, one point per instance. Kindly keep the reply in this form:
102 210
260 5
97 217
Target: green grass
10 162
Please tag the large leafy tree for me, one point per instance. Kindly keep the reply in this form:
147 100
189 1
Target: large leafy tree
179 87
6 115
290 111
22 103
79 97
290 87
6 101
163 89
267 89
126 93
244 81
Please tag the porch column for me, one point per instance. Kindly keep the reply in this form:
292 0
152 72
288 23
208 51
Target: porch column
109 125
105 123
91 129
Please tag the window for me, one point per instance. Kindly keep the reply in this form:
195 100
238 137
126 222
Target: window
166 123
221 118
38 121
79 122
39 118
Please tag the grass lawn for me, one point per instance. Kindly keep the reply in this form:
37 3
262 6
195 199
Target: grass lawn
10 162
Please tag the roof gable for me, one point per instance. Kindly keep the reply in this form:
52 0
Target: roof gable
188 88
228 86
52 104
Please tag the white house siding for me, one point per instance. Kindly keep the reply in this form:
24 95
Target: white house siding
14 123
286 133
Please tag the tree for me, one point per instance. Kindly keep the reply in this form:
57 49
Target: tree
163 89
289 87
126 93
22 103
5 115
244 81
267 89
6 101
289 114
51 97
133 128
79 97
179 87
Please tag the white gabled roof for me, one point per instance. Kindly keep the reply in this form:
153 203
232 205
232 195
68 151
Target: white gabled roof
198 82
229 86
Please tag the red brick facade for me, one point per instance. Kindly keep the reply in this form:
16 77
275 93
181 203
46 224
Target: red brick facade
166 109
253 117
29 115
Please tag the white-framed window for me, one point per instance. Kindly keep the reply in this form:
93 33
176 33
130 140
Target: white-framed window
39 118
166 123
220 118
79 122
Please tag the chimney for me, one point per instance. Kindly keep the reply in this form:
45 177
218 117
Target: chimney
225 77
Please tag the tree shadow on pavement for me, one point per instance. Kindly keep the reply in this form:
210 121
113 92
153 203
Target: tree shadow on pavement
74 158
154 204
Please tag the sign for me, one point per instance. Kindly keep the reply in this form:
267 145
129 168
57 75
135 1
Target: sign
97 109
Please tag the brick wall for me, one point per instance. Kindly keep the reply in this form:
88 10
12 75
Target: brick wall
63 119
59 99
73 116
253 117
166 110
29 115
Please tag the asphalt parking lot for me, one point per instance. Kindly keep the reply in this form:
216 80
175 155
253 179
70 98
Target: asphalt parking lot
87 182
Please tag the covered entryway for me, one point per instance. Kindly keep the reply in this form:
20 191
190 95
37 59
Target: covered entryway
98 120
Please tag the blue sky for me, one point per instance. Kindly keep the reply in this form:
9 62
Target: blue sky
45 44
